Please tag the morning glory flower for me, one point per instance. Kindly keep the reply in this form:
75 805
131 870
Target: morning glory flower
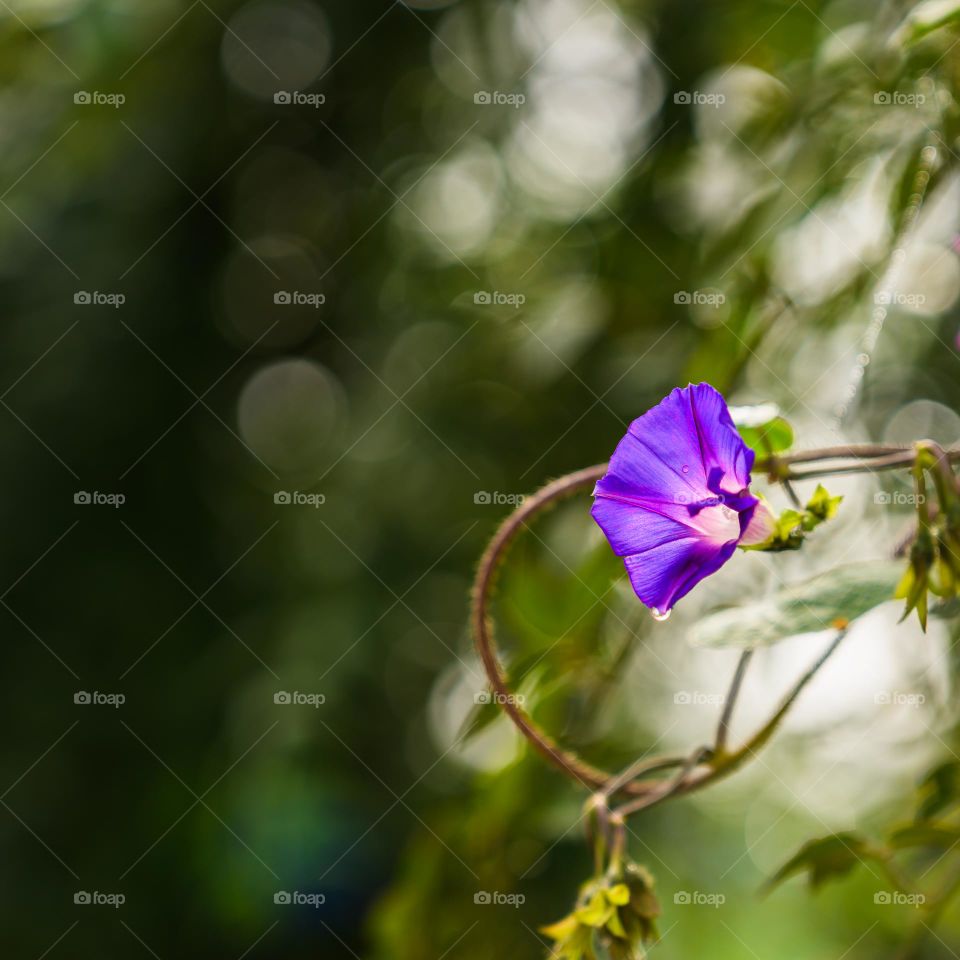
675 500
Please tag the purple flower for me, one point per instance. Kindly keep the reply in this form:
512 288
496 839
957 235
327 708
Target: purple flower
675 502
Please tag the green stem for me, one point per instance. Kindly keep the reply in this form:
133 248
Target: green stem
723 727
724 764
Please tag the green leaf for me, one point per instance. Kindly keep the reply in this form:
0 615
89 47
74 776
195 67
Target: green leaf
762 428
821 505
561 929
923 835
619 894
615 926
824 859
841 594
925 18
596 913
939 790
486 710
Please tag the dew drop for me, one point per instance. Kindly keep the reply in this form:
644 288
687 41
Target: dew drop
685 469
657 615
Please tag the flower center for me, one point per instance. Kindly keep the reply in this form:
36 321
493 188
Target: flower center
718 522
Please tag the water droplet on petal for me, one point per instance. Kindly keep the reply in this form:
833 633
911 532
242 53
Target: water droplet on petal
657 615
685 469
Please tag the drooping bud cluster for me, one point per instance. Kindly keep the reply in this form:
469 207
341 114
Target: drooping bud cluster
935 552
615 917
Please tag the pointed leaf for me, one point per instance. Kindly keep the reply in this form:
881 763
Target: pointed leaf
824 859
940 790
924 835
762 428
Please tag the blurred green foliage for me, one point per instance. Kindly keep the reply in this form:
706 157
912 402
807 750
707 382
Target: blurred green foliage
504 286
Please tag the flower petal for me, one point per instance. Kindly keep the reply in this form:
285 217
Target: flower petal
665 573
674 501
633 526
686 445
722 445
760 525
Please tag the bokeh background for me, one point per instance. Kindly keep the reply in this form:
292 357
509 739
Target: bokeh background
299 297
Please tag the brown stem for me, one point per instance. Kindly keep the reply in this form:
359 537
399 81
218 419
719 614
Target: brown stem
791 493
586 774
723 728
644 765
724 765
858 450
668 788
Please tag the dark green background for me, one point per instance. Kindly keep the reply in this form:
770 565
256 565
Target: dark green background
200 597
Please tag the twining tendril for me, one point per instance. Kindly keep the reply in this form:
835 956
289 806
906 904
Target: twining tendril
703 765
